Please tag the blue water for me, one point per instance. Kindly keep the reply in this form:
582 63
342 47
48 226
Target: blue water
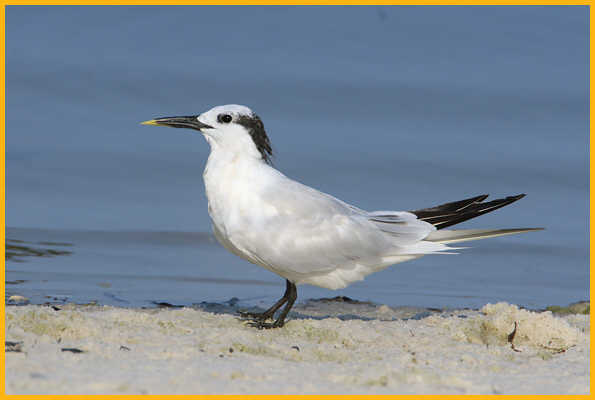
384 107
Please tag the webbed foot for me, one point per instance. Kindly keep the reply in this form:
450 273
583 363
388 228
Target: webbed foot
263 316
267 325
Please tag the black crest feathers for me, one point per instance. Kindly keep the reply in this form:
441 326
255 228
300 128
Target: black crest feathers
259 136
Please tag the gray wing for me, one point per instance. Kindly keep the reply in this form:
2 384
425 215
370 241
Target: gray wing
308 231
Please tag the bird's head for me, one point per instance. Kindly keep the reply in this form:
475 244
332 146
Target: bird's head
230 127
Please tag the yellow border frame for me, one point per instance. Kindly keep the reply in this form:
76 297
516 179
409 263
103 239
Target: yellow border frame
268 2
295 2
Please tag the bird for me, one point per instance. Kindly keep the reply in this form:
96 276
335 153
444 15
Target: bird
302 234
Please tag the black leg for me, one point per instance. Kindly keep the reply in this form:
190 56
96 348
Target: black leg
289 297
292 296
271 311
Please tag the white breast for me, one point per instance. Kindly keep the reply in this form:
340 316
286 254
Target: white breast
234 187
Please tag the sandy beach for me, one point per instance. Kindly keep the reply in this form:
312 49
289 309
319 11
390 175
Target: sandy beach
328 347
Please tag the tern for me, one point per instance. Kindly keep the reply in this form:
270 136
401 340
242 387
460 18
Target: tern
304 235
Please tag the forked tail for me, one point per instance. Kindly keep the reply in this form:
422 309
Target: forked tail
465 235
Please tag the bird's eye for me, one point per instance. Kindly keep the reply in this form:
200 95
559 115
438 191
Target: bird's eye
225 118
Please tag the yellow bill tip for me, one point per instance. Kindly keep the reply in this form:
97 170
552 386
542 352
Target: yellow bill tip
149 122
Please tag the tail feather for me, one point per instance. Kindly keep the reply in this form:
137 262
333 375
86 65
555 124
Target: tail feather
464 235
456 212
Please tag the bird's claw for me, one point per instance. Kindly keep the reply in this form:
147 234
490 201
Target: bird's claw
254 316
266 325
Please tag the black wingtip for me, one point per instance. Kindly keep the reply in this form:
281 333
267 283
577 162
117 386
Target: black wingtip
449 214
482 197
512 199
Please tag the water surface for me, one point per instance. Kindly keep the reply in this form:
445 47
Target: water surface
384 107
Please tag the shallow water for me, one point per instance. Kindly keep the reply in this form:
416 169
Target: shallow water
383 107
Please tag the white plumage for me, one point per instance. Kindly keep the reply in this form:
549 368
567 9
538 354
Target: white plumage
295 231
300 233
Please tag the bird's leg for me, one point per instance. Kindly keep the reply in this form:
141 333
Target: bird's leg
271 311
291 296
